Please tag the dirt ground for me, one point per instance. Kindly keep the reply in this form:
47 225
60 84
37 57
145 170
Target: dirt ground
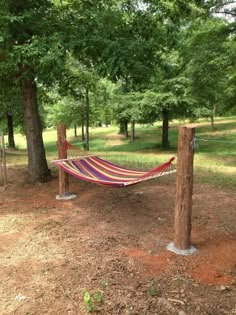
105 251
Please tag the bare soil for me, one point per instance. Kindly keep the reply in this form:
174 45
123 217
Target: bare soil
111 245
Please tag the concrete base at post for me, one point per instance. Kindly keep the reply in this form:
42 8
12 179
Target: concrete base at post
184 252
66 196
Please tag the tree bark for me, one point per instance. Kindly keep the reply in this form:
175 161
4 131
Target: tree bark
82 130
87 119
37 164
82 125
122 128
213 117
75 130
165 129
62 154
132 136
3 162
126 129
11 140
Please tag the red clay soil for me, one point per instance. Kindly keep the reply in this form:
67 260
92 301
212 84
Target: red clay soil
111 244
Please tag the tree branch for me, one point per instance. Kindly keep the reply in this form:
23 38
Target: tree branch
225 12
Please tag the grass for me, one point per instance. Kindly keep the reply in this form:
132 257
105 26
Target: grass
214 162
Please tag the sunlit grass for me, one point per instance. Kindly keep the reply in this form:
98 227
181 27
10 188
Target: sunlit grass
214 162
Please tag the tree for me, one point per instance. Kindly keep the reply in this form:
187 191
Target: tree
11 109
212 69
79 82
122 43
31 53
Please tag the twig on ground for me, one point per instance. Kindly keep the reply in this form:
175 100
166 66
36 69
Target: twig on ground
176 301
68 296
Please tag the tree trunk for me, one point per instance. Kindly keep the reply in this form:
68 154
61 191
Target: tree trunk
37 164
82 126
11 140
75 131
165 129
87 120
213 117
122 128
82 131
126 129
132 136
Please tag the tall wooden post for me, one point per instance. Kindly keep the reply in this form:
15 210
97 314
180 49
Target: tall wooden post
62 154
3 161
184 191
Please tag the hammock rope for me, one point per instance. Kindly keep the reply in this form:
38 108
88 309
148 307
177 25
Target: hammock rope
89 167
195 142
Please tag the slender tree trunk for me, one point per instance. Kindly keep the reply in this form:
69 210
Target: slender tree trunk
11 140
122 128
82 126
87 119
82 131
37 164
75 131
165 129
213 113
132 136
126 129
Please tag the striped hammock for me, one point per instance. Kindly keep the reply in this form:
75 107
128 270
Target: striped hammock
92 168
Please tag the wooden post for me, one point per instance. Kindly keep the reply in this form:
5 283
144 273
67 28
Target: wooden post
62 154
184 191
3 161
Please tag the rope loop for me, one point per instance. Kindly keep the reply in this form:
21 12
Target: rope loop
195 144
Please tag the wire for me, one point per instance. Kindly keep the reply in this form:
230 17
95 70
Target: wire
213 140
195 142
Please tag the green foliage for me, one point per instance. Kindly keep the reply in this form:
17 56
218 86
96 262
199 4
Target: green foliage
128 106
91 300
123 40
211 48
98 297
88 302
154 291
62 110
139 60
31 41
11 103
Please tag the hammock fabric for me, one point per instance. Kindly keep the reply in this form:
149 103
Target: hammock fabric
93 169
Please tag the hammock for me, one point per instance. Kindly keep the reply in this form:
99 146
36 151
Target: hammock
92 168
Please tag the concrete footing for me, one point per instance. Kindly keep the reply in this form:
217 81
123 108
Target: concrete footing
66 196
184 252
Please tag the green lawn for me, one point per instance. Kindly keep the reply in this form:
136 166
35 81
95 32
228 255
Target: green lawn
215 159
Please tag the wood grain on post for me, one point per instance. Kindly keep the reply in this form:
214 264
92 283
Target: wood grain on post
184 189
3 162
62 154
